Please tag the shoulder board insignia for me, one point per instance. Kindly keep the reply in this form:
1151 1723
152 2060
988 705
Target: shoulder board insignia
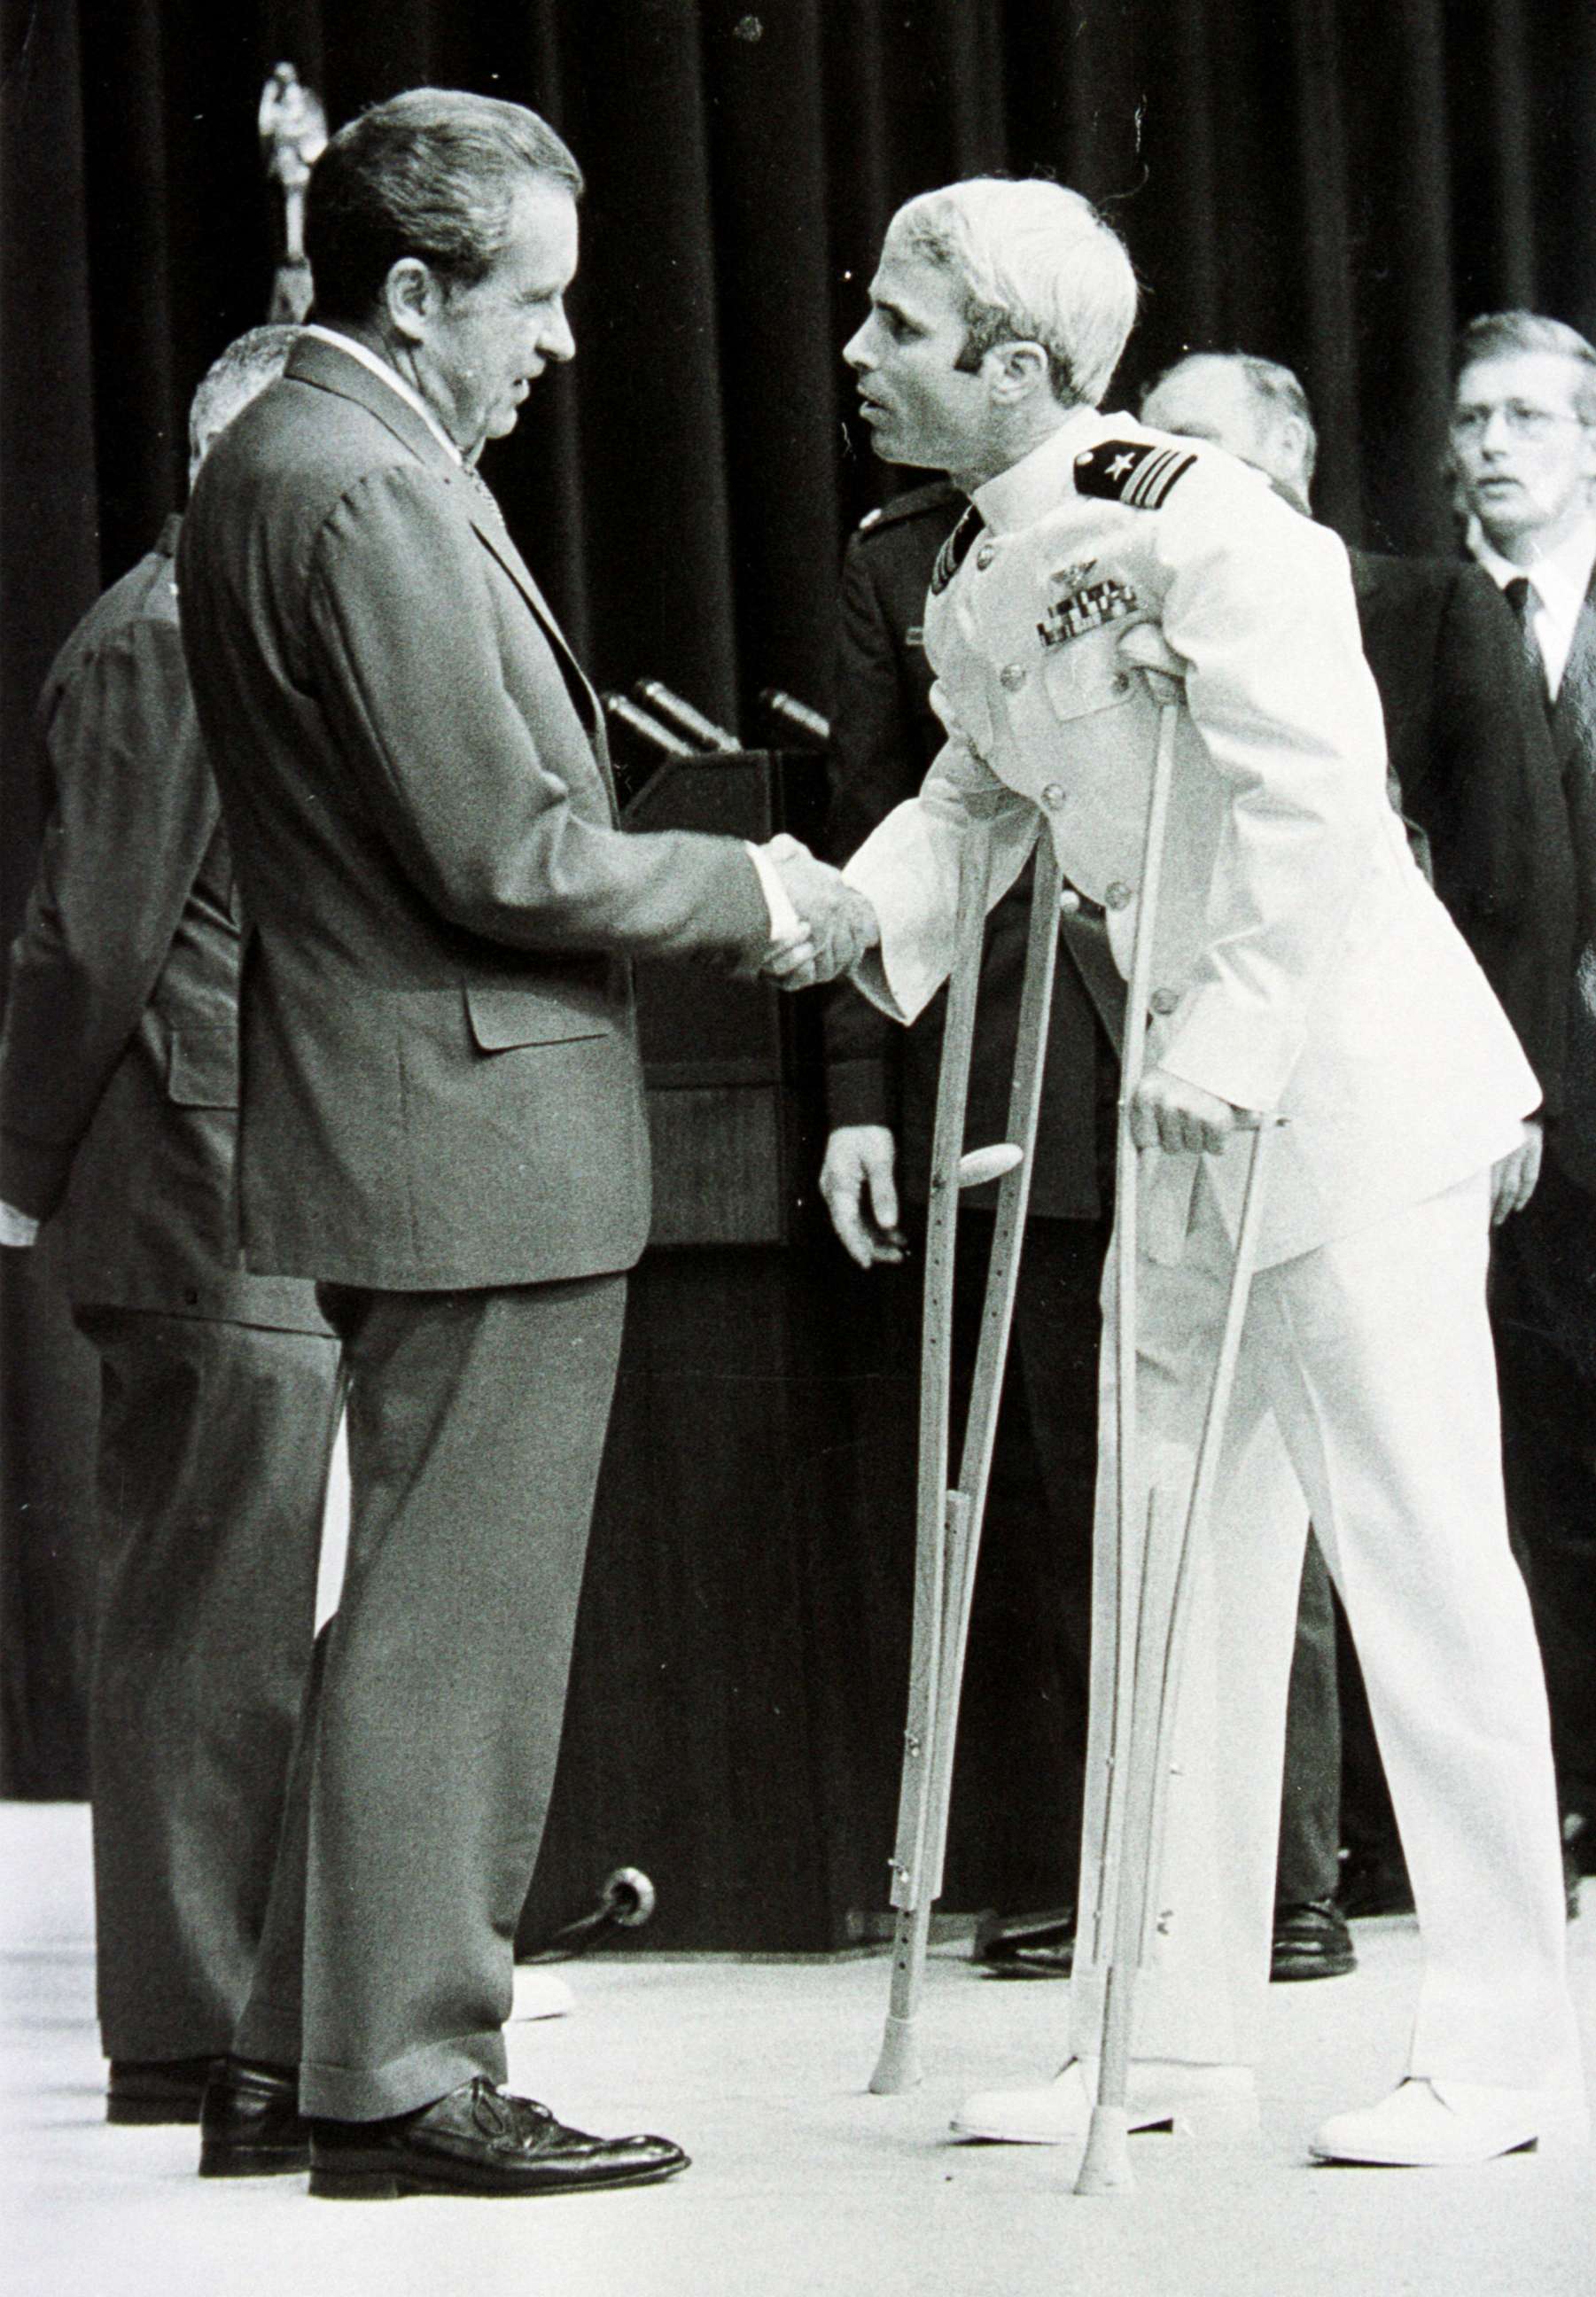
950 558
1132 471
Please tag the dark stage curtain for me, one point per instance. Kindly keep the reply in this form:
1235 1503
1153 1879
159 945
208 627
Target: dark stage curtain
1334 183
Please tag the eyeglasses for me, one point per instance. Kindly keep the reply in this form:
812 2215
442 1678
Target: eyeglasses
1521 422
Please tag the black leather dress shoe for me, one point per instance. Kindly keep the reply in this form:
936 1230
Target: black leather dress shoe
156 2089
1027 1946
1311 1941
251 2125
477 2140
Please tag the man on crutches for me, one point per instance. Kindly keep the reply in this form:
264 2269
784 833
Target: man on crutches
1108 581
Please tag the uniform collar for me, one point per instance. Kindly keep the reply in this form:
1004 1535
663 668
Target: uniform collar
1019 496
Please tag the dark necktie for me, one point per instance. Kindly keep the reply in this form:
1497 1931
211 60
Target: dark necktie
1521 596
485 496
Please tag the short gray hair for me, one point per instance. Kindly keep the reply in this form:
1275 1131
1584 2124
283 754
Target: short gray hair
249 362
432 174
1036 263
1278 387
1508 335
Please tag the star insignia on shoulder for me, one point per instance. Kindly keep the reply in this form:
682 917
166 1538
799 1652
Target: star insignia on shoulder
1132 471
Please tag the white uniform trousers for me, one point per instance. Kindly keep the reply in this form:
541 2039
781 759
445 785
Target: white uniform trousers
1366 1389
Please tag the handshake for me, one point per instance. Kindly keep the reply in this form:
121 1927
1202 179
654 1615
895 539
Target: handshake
835 924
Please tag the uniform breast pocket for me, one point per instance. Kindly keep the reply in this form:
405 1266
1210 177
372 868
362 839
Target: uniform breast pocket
1084 677
202 1070
504 1020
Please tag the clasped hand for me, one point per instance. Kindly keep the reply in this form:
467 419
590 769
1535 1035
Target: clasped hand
839 924
1169 1113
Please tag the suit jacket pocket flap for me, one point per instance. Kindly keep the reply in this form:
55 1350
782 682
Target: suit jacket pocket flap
504 1018
203 1066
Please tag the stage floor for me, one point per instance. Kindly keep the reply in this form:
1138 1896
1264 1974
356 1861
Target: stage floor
801 2181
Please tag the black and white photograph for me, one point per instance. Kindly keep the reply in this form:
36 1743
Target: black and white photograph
798 1147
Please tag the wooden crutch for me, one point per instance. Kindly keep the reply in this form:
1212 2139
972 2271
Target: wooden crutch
1150 1560
949 1520
1151 1608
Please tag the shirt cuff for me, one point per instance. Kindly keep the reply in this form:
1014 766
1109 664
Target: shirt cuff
785 924
16 1229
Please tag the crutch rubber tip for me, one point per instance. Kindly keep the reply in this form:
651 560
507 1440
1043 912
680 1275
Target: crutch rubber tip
979 1166
898 2068
1106 2164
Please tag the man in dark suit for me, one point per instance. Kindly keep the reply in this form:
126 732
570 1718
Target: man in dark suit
118 1092
443 1122
1474 774
1017 1813
1524 450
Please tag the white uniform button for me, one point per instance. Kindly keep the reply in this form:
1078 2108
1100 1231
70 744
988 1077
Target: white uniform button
1069 902
1164 1001
1013 675
1052 796
1116 895
984 556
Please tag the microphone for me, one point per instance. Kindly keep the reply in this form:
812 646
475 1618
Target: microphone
683 714
796 713
647 728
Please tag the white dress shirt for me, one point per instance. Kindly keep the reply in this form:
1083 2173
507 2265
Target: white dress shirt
1560 581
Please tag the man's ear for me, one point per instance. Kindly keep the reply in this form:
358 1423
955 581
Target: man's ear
1016 370
411 296
1294 437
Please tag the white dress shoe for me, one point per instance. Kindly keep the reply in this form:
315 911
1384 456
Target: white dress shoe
1434 2124
1193 2101
539 1993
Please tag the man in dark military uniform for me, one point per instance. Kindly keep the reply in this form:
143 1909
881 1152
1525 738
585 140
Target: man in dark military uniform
1023 1748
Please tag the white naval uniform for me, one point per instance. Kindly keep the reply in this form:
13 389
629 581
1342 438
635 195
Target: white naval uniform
1302 964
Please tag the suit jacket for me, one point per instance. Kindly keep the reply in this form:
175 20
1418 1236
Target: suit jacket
1301 962
1571 1139
119 1067
1468 745
883 736
441 1082
440 1077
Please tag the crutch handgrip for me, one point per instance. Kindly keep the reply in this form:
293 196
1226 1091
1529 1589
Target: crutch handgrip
976 1166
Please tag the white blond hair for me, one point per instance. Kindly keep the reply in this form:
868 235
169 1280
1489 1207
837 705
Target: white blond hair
1036 263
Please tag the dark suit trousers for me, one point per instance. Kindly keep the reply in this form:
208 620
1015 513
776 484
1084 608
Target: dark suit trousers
1544 1309
214 1442
1309 1865
1019 1778
426 1754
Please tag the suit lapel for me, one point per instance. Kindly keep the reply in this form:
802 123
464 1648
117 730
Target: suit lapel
1574 717
330 369
491 531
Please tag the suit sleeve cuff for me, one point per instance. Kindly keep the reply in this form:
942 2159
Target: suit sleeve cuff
33 1174
859 1092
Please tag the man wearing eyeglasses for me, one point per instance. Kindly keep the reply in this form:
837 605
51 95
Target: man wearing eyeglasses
1524 451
